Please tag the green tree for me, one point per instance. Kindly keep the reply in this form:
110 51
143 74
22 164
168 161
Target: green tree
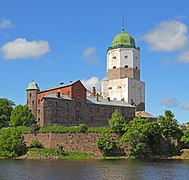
106 143
21 116
12 143
168 124
185 138
6 107
117 121
142 136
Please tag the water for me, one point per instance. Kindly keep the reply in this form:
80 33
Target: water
94 170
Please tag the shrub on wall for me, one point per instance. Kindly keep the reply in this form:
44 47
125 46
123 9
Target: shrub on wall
106 143
83 128
36 144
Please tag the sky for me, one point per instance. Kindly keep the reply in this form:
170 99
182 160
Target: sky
61 41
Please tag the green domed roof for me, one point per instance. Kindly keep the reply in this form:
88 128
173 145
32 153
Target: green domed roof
123 40
33 86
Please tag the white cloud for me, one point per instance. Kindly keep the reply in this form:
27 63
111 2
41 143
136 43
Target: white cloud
21 48
92 82
183 57
89 51
167 36
169 102
185 106
90 56
4 23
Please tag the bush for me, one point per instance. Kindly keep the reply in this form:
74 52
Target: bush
36 144
106 144
83 127
12 143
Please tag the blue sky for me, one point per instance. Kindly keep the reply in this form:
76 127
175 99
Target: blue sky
67 40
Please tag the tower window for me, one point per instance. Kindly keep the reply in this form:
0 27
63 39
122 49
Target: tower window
126 66
33 102
119 87
30 94
114 67
126 56
114 57
136 67
110 88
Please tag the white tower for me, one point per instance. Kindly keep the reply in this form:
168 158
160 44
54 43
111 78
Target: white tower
123 72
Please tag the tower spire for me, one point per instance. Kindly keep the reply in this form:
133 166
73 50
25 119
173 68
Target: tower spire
123 23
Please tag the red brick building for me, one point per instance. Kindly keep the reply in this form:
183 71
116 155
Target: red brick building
67 104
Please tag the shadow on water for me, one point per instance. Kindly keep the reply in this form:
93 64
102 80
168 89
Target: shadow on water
94 169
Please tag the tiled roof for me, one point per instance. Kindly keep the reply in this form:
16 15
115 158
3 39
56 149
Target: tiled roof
59 86
144 114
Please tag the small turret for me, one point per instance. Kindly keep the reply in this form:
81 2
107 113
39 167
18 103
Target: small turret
32 91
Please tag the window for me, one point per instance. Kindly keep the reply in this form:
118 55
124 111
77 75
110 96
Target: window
33 103
30 94
114 57
126 56
126 66
110 88
39 101
114 67
136 67
119 87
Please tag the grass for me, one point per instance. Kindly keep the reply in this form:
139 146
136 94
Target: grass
60 129
70 129
55 153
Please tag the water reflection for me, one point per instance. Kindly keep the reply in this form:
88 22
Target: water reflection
94 170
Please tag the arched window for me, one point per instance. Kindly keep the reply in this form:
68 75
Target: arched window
33 102
114 67
126 66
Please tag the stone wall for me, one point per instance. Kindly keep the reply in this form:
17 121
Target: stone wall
72 142
69 113
119 73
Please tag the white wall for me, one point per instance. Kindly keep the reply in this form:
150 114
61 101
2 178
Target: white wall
132 60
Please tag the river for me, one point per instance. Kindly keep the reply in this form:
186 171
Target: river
94 169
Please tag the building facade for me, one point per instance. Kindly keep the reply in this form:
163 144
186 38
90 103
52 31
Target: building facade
68 104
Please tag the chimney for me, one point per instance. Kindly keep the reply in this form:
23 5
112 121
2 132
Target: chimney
94 91
58 94
108 98
97 97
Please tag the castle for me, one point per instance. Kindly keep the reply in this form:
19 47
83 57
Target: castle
69 104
